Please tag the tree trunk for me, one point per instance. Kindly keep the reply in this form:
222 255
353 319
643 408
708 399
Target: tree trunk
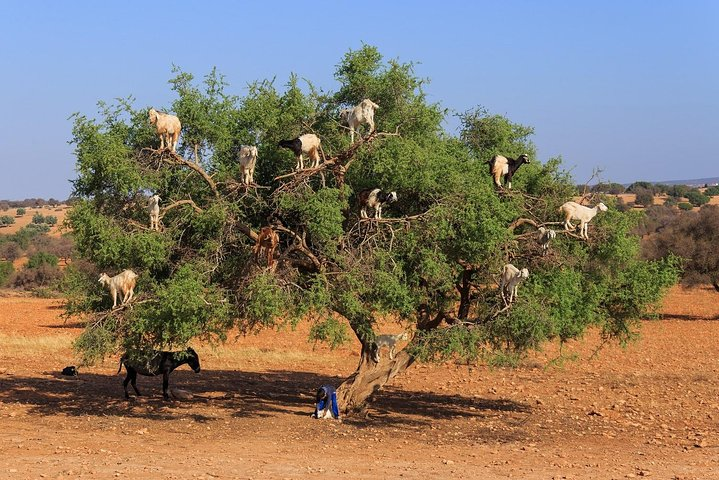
370 377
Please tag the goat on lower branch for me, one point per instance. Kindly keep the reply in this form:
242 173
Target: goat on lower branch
374 198
267 241
510 280
123 282
168 128
575 211
154 208
308 143
356 116
500 165
545 236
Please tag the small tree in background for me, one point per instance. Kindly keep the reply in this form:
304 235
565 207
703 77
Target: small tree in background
20 212
697 198
6 220
644 196
6 270
431 262
686 206
38 218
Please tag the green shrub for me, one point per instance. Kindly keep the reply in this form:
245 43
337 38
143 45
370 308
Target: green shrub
6 269
685 206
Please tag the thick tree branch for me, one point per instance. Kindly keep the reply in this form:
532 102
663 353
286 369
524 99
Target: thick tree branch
172 158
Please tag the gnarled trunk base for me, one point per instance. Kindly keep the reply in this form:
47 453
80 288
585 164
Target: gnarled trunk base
368 378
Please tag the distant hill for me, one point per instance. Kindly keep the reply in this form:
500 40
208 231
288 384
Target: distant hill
696 182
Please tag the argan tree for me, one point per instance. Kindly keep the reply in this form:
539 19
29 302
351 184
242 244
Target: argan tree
431 262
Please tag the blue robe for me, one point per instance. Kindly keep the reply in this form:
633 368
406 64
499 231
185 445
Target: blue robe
329 396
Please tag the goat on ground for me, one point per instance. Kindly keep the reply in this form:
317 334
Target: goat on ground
123 282
159 363
374 198
168 128
500 165
308 143
267 240
248 160
356 116
510 280
154 207
575 211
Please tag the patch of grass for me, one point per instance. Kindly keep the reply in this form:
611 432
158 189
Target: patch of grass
13 345
244 354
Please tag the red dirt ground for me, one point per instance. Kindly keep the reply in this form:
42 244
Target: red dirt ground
651 410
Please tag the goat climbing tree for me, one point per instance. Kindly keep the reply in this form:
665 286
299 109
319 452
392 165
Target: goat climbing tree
431 262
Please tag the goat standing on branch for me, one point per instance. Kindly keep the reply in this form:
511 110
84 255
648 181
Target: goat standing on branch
374 198
544 237
500 165
154 207
168 129
510 280
267 240
248 159
308 143
356 116
123 282
575 211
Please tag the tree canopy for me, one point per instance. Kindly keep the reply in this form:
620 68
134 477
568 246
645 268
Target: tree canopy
432 262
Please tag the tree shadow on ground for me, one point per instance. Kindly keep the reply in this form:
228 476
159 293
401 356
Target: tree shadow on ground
682 316
243 394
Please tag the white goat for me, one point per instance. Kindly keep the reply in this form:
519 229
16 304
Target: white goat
510 279
356 116
575 211
168 128
545 235
308 143
123 282
154 207
248 159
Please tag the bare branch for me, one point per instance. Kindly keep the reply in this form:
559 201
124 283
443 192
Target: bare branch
172 158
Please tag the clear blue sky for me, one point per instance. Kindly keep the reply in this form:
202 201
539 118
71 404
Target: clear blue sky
628 86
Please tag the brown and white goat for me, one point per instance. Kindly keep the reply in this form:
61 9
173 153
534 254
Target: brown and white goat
168 128
267 241
123 282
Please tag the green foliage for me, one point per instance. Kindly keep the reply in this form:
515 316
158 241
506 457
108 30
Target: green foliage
38 218
697 198
644 197
712 191
610 188
20 212
433 257
42 258
6 269
331 331
6 220
685 206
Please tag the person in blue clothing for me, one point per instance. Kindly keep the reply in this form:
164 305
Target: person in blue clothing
326 406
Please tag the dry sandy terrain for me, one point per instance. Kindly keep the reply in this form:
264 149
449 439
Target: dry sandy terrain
58 212
651 410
